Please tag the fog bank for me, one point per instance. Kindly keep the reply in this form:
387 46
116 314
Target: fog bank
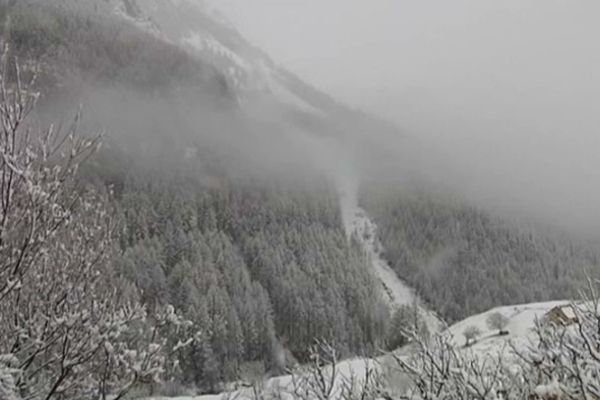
507 92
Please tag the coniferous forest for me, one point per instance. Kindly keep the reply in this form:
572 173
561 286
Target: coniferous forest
162 222
264 267
464 260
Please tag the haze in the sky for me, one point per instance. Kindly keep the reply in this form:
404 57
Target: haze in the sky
509 90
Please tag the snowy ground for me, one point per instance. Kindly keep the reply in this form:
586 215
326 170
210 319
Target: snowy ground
284 384
520 326
358 223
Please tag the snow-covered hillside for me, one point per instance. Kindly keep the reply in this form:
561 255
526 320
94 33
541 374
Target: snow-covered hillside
521 321
207 35
284 385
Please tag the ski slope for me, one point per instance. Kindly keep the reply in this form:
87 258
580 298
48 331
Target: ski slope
358 224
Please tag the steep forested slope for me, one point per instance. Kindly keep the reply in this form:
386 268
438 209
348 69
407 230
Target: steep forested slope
218 216
225 210
262 267
463 260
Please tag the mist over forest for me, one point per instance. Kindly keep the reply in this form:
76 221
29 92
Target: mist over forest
504 91
182 214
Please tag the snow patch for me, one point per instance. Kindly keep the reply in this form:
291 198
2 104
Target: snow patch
207 43
184 22
144 24
251 74
238 68
274 84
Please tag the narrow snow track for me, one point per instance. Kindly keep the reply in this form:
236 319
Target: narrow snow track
358 223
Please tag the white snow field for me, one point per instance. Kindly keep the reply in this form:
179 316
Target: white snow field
520 326
345 370
358 223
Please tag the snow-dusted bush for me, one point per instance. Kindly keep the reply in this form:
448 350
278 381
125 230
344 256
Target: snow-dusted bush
497 321
565 361
68 329
562 362
471 333
8 376
438 369
323 379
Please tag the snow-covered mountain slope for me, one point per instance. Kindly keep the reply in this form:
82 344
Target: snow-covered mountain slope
260 83
207 35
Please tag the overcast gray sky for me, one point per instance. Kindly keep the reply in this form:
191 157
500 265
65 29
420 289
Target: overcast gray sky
510 89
